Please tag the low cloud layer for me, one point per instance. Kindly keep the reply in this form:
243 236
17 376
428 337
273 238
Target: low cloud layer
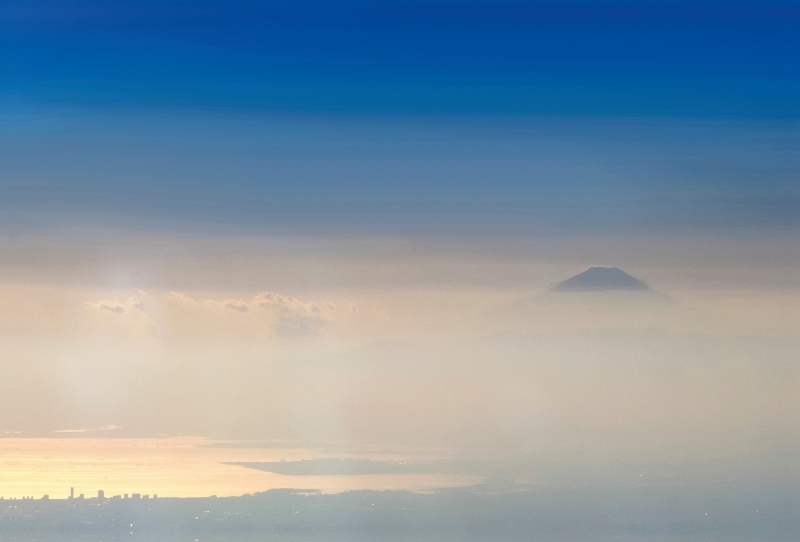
294 317
291 317
706 373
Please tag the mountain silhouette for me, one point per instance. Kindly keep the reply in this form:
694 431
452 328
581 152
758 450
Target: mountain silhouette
598 279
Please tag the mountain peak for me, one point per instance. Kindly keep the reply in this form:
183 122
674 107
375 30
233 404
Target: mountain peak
597 279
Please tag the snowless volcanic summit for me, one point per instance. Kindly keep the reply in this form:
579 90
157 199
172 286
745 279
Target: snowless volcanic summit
599 279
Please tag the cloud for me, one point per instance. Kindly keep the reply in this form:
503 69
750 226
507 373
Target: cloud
295 325
294 318
116 306
106 428
239 305
111 306
181 298
236 305
272 300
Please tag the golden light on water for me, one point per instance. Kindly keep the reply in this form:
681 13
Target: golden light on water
171 467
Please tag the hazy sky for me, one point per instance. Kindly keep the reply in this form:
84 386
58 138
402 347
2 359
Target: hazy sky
337 223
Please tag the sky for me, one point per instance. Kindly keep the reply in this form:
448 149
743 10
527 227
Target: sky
336 225
403 115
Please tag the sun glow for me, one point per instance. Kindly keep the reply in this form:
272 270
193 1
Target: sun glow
170 467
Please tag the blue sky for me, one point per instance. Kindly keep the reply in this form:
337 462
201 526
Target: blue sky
706 59
564 115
